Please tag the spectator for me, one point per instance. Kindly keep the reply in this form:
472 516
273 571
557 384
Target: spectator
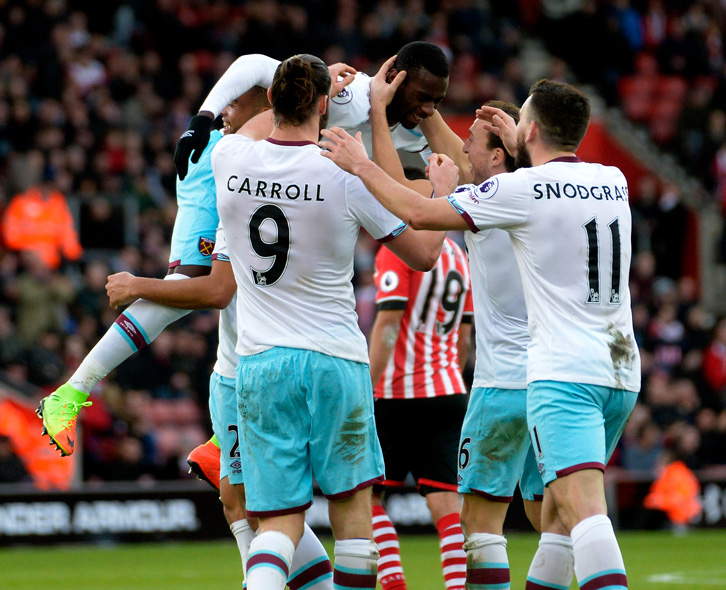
39 221
12 469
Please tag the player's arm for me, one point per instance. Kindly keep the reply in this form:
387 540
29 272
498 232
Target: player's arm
246 72
213 291
405 203
384 334
442 140
384 152
464 342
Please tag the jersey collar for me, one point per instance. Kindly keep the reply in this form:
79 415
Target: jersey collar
293 143
571 159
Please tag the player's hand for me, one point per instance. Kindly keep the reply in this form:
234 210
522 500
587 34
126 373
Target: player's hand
382 91
344 149
499 123
443 174
346 74
193 141
118 289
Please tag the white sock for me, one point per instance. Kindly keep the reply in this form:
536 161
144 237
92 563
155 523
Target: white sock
243 534
356 564
552 565
311 567
268 562
134 329
598 560
487 564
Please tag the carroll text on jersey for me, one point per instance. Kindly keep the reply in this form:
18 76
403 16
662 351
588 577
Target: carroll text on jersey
275 190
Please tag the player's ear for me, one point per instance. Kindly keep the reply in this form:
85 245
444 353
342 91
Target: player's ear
498 156
532 132
269 95
392 73
323 104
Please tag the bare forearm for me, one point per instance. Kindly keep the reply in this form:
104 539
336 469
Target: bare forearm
442 140
194 293
382 341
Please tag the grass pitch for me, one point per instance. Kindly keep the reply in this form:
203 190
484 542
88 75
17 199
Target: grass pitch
654 560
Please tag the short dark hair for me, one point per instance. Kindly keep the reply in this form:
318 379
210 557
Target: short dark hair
420 54
494 140
298 83
562 112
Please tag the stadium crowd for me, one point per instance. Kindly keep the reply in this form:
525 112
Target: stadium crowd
94 96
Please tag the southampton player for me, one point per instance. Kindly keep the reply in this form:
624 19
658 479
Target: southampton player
311 567
418 342
496 415
418 345
570 226
303 380
417 99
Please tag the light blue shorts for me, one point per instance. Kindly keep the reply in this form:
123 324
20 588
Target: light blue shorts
223 411
495 451
305 414
575 426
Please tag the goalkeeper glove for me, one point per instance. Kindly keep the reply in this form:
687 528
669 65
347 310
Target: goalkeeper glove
193 141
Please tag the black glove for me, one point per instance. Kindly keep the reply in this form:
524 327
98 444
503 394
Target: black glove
193 141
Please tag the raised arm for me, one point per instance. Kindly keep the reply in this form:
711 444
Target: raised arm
405 203
212 291
442 140
246 72
384 152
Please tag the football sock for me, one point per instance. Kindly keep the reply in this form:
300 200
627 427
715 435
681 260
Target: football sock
390 571
311 569
453 557
487 562
243 534
356 564
134 329
268 562
598 561
552 565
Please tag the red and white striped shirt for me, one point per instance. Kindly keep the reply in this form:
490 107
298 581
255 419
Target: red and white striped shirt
424 361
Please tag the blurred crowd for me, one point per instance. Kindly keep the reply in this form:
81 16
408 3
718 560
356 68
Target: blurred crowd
93 96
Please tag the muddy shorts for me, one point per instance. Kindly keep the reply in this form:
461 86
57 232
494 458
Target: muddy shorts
495 453
304 414
575 426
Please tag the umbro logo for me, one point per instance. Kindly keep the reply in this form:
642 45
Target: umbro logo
188 133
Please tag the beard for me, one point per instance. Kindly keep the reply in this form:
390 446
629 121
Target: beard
323 122
523 159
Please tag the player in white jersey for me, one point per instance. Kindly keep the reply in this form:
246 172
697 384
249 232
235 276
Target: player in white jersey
570 226
304 389
311 567
495 451
416 100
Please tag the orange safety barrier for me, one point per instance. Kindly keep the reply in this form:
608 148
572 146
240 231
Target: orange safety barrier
48 469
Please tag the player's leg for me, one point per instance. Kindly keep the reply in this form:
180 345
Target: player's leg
552 566
346 460
356 555
392 427
494 444
434 450
133 330
278 488
574 429
223 412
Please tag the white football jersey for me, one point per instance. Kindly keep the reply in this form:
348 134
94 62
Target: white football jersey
570 226
500 312
226 355
291 219
348 110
